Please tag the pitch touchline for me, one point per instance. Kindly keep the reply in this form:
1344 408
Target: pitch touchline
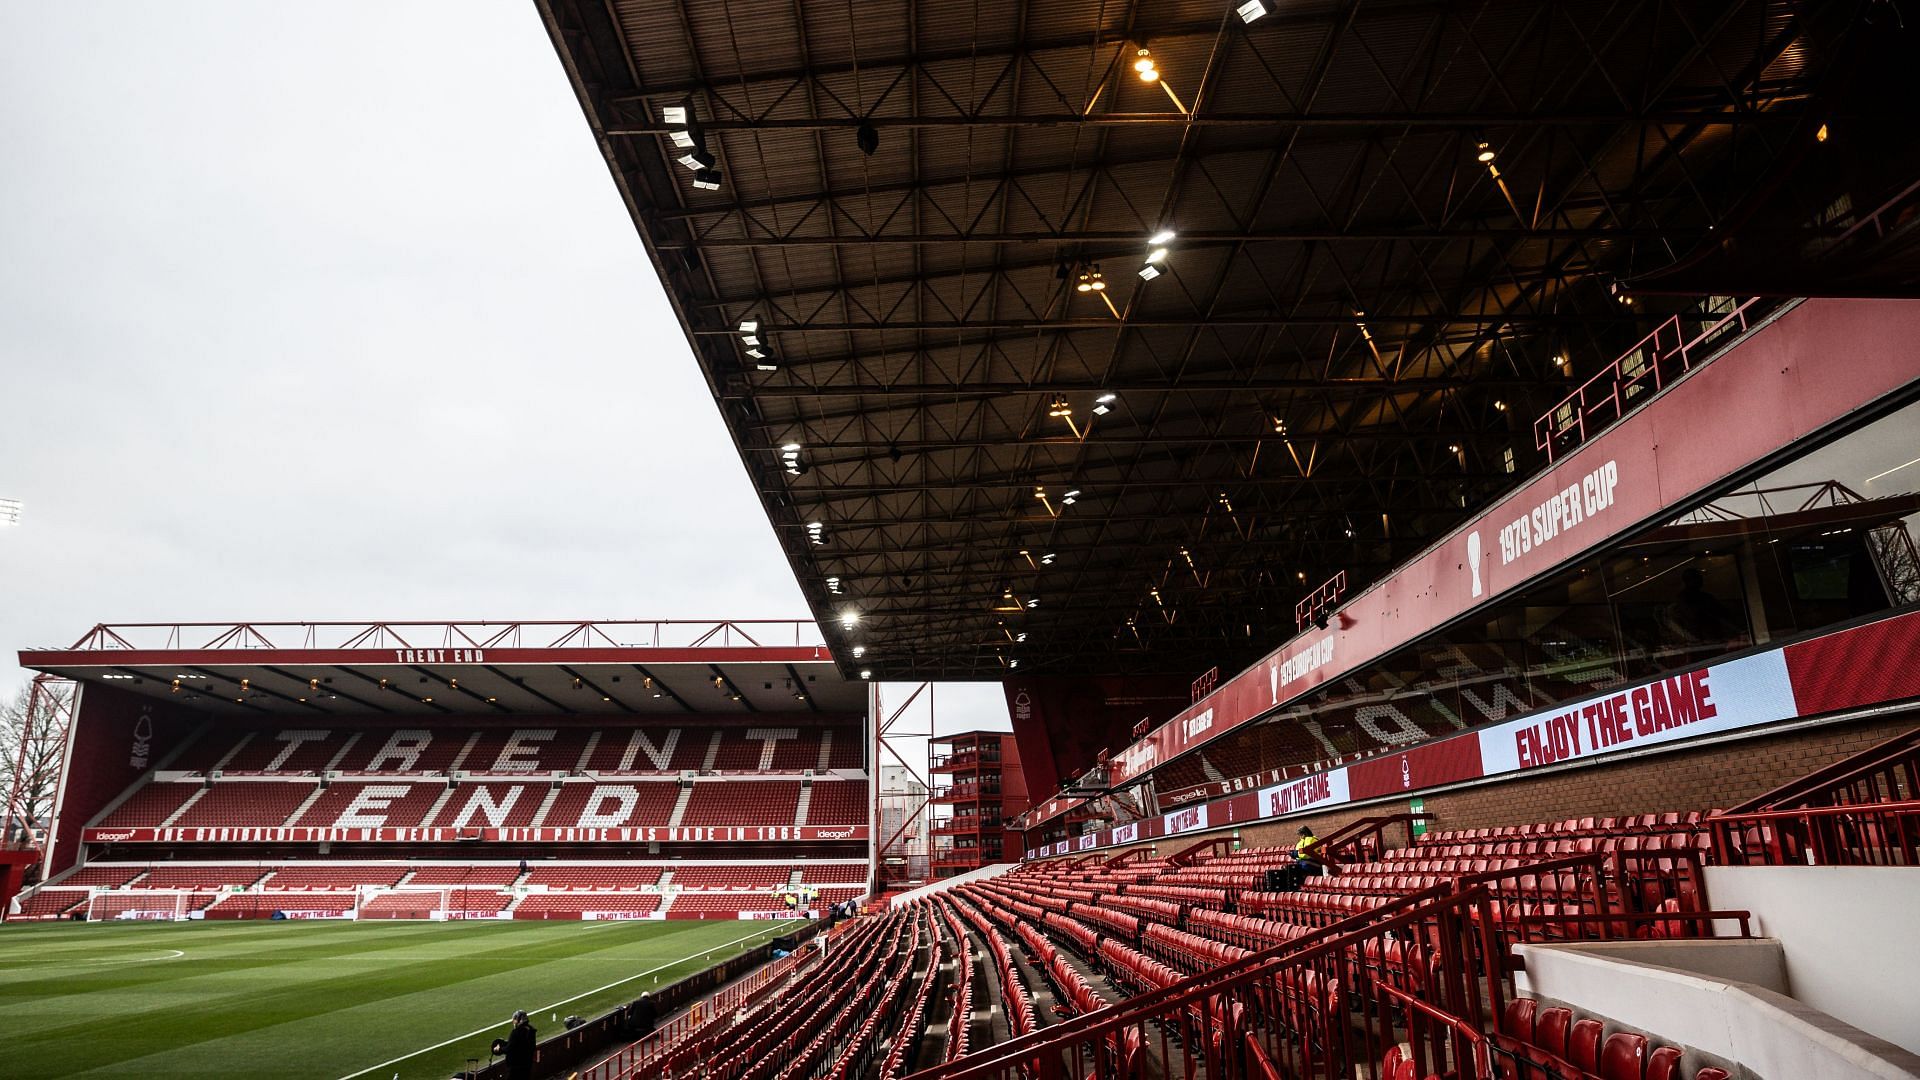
563 1001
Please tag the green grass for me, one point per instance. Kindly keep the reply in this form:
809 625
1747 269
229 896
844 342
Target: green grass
318 999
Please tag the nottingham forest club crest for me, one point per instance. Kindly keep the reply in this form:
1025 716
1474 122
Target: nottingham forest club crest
141 750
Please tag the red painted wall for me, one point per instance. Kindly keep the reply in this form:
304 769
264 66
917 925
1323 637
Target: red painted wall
1062 723
114 739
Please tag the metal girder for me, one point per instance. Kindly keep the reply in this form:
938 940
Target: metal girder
1185 240
1386 122
1104 437
1062 325
1134 385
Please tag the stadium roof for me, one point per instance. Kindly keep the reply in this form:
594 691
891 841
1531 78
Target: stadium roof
422 670
1400 232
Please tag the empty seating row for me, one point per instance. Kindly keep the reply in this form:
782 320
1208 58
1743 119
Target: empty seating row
1550 1043
788 748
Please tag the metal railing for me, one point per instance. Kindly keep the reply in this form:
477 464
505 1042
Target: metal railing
1640 372
1867 834
1863 810
452 634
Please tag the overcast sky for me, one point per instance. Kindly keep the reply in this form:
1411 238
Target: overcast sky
332 311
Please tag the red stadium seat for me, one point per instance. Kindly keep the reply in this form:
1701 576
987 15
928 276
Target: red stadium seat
1623 1057
1550 1031
1663 1064
1583 1044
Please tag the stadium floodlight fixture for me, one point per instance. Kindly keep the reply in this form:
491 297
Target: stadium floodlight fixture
749 326
764 366
707 180
1485 155
1251 10
1144 66
674 115
697 159
756 353
859 651
1106 399
1164 236
790 448
749 339
683 139
1158 254
1149 272
866 673
849 619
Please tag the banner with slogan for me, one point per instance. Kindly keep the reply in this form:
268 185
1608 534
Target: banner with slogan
1870 664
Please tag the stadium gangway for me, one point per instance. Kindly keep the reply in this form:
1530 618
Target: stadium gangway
643 1058
1863 810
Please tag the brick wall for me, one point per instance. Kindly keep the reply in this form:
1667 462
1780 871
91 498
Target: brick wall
1707 778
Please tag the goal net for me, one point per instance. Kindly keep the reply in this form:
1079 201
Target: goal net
153 905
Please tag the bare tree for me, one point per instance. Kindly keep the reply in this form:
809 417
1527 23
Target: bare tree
32 753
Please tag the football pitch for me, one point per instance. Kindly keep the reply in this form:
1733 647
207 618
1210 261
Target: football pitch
324 1000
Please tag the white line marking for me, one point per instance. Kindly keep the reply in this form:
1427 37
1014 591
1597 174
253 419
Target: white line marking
172 954
779 924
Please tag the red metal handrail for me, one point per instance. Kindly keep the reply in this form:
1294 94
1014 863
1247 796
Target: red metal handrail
1858 834
450 633
1602 399
1876 774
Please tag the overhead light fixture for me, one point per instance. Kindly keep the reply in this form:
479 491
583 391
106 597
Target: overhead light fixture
750 339
1099 282
1251 10
1820 136
1074 494
1161 237
1013 663
1453 448
1034 603
696 159
1156 255
1485 156
849 619
1143 66
1058 407
791 448
1500 406
707 179
1149 272
866 673
749 326
1101 410
766 367
673 114
683 139
1047 559
859 651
